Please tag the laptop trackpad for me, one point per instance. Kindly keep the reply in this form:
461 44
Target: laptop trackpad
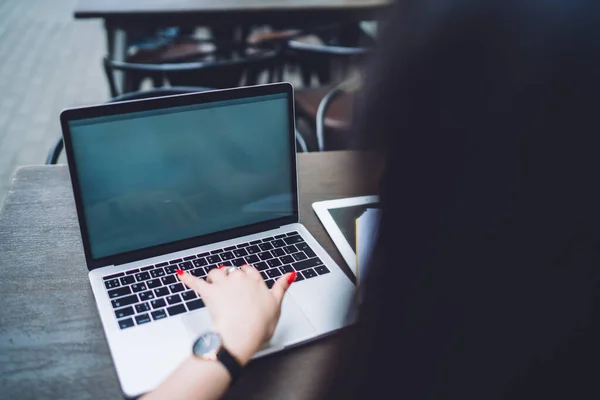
291 328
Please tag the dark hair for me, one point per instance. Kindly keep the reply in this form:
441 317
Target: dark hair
485 279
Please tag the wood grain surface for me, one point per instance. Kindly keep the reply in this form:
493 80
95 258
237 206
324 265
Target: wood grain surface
51 341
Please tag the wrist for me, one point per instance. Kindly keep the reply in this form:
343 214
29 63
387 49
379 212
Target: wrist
239 344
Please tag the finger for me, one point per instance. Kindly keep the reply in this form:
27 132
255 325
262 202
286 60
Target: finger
216 275
281 286
196 284
252 272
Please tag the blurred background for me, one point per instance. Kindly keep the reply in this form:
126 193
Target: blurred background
66 53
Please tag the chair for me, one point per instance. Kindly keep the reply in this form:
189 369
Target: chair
218 74
57 148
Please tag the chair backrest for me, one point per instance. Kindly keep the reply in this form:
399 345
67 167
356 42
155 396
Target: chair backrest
219 74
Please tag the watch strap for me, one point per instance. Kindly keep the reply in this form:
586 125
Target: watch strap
232 365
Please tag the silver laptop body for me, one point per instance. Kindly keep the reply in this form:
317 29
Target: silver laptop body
193 181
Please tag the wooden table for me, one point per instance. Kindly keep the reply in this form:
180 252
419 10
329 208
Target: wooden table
51 340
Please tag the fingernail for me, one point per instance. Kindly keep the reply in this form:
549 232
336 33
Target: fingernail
179 272
292 277
221 266
245 265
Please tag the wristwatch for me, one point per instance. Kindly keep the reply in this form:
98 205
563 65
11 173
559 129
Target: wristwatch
209 346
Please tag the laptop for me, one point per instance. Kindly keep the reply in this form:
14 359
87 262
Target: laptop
193 182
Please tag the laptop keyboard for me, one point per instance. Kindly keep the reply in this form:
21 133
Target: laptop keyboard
142 295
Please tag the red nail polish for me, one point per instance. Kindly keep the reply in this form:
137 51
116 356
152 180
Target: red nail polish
292 277
245 265
221 266
179 272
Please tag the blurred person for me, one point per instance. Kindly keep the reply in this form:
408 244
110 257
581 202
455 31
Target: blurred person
484 282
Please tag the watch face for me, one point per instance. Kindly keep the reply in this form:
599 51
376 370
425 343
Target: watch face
207 345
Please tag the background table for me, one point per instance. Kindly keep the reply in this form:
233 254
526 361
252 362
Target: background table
51 340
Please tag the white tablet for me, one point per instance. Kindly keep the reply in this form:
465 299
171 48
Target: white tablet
339 219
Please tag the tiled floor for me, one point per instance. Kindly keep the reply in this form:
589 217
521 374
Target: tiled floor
48 61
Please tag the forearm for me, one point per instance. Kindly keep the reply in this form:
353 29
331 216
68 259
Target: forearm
193 379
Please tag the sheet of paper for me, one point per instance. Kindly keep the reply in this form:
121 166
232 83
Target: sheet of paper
366 234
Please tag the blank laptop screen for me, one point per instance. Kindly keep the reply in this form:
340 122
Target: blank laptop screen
154 177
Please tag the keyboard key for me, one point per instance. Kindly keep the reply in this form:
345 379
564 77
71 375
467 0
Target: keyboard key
238 262
200 262
278 243
178 309
188 258
166 280
266 255
198 272
173 299
144 296
213 259
273 273
175 261
125 301
321 270
264 275
280 236
256 241
157 273
140 308
299 278
292 233
158 303
261 266
270 283
216 251
293 239
311 262
177 287
302 246
252 259
278 252
240 253
265 246
142 319
171 269
124 312
138 287
209 268
142 276
274 263
287 259
162 264
253 249
309 273
286 268
132 271
189 295
148 268
268 239
310 253
109 277
290 249
195 304
227 256
239 246
153 283
127 280
229 248
162 291
203 254
113 283
186 265
126 323
122 291
299 256
159 314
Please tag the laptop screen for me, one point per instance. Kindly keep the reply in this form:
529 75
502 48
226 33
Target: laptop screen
154 177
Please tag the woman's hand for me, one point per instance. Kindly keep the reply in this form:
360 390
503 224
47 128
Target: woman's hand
243 310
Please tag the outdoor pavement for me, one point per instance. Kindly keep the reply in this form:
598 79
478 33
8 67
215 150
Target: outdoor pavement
48 61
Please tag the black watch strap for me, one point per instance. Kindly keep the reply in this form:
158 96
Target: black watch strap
232 365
